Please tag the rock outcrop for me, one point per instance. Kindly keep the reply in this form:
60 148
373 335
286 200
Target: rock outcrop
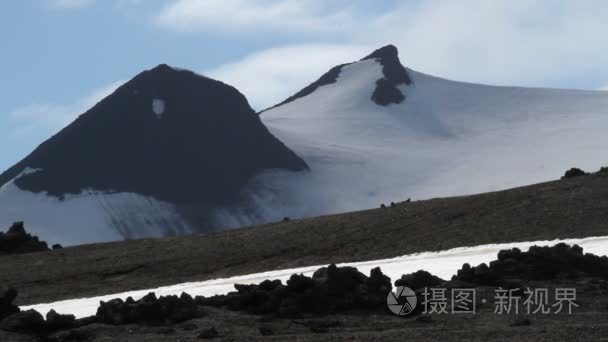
330 289
17 241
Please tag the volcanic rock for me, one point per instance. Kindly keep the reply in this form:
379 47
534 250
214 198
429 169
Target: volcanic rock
418 280
538 263
17 241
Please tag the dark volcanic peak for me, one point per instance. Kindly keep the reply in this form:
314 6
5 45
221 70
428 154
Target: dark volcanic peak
394 74
388 52
386 91
167 133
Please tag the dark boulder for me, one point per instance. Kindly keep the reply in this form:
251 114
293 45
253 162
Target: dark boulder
7 307
538 263
17 241
330 289
299 283
30 322
339 279
55 321
574 172
480 274
378 286
149 310
419 279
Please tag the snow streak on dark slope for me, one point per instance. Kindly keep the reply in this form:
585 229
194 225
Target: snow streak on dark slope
169 135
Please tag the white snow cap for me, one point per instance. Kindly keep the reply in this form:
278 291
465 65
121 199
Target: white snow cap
158 107
487 138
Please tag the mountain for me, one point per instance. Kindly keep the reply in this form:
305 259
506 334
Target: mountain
156 157
172 152
374 131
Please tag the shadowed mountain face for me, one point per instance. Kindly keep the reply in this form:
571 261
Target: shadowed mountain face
169 134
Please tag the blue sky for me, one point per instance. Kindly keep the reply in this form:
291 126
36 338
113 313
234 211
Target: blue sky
59 57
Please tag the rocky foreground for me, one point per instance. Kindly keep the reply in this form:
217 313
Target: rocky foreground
340 303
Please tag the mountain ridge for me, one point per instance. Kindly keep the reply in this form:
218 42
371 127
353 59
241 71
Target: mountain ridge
386 93
443 139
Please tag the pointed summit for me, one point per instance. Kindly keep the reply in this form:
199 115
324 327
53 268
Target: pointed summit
386 52
386 91
163 68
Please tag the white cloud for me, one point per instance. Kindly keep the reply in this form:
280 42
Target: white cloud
604 88
50 117
258 15
269 76
499 42
495 42
70 4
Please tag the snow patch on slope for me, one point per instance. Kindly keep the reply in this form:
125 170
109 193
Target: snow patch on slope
158 107
95 216
443 264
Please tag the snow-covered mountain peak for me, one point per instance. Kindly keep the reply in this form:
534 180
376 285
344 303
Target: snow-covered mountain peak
443 138
381 72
